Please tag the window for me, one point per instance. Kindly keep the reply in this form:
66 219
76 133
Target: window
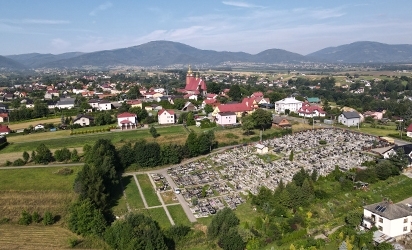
380 220
380 228
405 220
405 229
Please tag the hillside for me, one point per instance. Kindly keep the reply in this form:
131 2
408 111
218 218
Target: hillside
9 64
34 60
366 52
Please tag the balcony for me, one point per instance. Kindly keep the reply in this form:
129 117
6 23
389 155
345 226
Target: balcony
368 222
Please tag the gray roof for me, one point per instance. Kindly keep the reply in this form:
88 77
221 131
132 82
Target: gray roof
277 119
351 114
392 211
66 101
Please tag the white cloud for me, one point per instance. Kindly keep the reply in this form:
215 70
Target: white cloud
101 7
241 4
59 44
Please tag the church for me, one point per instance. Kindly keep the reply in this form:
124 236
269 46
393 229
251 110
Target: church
195 86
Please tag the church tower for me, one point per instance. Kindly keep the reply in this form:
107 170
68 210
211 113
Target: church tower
189 75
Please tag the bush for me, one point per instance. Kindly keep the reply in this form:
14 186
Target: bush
36 217
25 218
4 220
322 142
64 171
8 163
48 218
18 162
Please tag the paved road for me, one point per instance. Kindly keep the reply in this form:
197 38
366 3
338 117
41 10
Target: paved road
161 201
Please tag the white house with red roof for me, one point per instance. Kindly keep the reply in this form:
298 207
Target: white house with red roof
240 109
4 117
408 130
225 118
308 110
211 96
211 102
166 116
127 120
4 130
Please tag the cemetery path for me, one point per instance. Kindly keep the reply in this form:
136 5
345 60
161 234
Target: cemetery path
140 191
161 200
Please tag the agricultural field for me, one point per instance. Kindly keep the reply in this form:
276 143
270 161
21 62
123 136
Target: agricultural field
23 125
39 190
148 191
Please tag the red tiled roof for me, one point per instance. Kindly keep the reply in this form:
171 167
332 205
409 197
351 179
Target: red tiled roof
308 109
210 101
211 96
5 129
125 121
171 112
4 115
409 129
257 94
126 114
131 102
235 107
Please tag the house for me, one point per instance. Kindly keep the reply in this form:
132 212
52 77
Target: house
407 150
51 93
211 102
391 219
374 114
311 111
261 149
51 104
409 131
127 120
135 103
166 116
281 122
65 103
240 109
4 130
104 105
349 118
3 107
289 103
189 107
257 94
225 118
38 126
4 117
83 120
29 103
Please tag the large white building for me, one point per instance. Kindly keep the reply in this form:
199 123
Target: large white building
289 103
391 219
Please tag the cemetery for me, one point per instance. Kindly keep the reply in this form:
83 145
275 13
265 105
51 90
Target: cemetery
225 178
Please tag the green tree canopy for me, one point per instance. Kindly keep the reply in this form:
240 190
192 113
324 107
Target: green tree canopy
85 219
235 93
262 118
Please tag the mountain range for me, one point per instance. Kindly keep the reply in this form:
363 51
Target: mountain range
166 53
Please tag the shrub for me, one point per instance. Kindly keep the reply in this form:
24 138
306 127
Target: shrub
19 162
4 220
64 171
322 142
36 217
25 218
48 218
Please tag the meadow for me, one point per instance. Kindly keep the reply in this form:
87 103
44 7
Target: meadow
148 191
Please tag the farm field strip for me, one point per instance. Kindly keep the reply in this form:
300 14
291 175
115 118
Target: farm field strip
148 191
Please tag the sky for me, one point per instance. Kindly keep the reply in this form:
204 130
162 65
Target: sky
50 26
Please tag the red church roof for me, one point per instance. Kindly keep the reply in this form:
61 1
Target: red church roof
193 83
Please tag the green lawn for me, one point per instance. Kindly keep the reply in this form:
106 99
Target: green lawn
158 214
80 140
37 179
178 215
148 191
132 193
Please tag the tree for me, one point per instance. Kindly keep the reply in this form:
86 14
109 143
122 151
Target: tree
399 159
126 155
75 156
141 113
63 155
235 92
171 154
147 154
222 222
248 124
179 103
26 157
208 109
86 219
43 155
153 132
384 169
353 218
25 218
135 231
231 240
123 108
190 120
262 118
291 156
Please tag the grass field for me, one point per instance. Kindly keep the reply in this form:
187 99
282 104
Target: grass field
174 134
169 197
178 215
158 214
22 125
148 191
35 190
132 193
